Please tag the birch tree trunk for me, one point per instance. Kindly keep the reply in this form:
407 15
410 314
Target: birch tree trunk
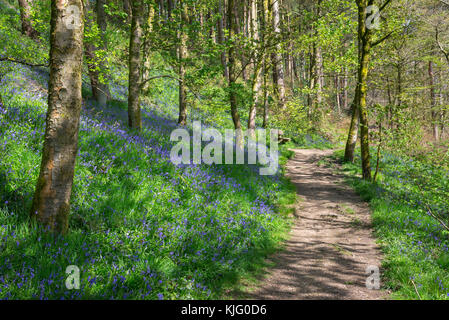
278 65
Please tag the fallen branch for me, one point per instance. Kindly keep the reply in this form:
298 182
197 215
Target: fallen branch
416 289
23 62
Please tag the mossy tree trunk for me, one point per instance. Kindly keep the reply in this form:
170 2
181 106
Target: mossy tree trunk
134 63
353 131
51 201
360 103
365 35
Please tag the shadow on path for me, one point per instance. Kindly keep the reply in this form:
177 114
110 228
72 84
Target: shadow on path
330 247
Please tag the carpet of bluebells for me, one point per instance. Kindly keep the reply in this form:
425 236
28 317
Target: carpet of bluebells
415 245
140 227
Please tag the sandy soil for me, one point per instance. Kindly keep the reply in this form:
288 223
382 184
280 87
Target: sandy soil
331 244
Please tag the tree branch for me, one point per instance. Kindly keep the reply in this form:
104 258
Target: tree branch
382 39
446 54
24 62
384 5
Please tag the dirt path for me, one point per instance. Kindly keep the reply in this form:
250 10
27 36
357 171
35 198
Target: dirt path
331 244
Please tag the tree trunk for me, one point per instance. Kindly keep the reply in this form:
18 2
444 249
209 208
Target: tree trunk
147 52
278 65
90 55
221 38
25 17
265 96
256 83
128 9
232 77
182 53
51 201
345 89
433 102
134 83
337 94
365 37
103 88
353 131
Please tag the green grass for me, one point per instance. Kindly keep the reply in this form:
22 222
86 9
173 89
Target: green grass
140 227
415 247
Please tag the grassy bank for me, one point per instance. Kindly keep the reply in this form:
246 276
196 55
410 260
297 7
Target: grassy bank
141 227
415 246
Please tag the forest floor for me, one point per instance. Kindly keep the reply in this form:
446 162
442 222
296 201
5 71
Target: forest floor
331 244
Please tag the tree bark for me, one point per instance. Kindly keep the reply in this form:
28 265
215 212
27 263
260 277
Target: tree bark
278 66
232 76
221 38
433 102
103 88
128 9
146 50
365 37
134 82
353 131
182 54
265 96
89 51
256 81
51 201
25 17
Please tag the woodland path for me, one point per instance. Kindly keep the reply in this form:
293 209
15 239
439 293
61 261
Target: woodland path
331 244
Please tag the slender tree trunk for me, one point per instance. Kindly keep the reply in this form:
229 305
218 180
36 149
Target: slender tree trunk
182 51
128 9
221 38
51 201
258 60
232 77
103 88
345 99
265 96
312 83
25 17
433 102
353 131
134 83
278 65
239 7
146 51
319 73
265 22
89 50
337 94
256 86
365 37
